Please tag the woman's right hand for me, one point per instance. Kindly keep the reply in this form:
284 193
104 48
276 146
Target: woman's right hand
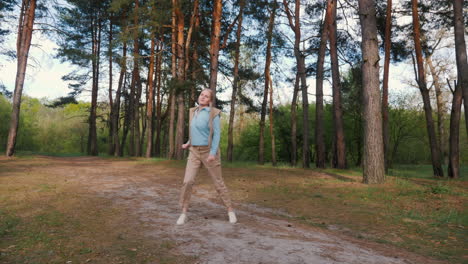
185 146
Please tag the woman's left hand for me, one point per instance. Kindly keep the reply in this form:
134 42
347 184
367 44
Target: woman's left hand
210 158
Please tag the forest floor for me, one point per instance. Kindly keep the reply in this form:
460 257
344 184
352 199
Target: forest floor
106 210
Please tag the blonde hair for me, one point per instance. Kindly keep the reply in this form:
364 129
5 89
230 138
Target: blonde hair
211 95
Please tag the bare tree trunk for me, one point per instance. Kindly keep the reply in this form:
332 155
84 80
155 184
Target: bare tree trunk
116 106
230 146
172 101
131 115
138 84
454 145
92 147
127 118
300 60
374 164
272 134
261 147
460 54
294 122
319 123
421 79
23 43
195 69
150 101
339 152
440 107
214 45
111 103
195 66
137 114
387 45
158 105
182 67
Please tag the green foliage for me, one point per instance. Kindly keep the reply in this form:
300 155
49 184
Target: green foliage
47 130
439 188
5 111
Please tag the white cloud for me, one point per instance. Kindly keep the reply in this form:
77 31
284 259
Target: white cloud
44 72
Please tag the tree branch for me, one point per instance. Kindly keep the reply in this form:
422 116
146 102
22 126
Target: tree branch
226 35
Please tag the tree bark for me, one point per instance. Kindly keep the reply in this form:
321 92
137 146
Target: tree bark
230 146
92 147
111 103
134 102
261 147
460 54
214 45
127 117
23 43
172 96
116 105
373 165
386 70
300 60
421 79
454 145
339 153
319 123
294 122
440 107
157 144
150 99
272 134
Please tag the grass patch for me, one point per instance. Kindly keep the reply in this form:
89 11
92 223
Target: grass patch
422 171
421 214
45 218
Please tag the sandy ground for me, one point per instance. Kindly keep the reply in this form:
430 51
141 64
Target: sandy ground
150 196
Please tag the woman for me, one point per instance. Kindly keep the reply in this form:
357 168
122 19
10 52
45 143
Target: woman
204 136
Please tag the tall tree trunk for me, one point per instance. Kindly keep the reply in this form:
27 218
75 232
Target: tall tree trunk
319 123
127 119
230 146
272 134
157 144
454 145
111 103
300 60
339 152
294 122
96 50
440 107
136 110
421 79
138 84
116 105
150 101
374 164
261 148
460 54
172 100
23 43
131 115
195 66
183 55
214 45
387 45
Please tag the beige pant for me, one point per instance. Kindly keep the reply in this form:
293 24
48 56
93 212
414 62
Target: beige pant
197 158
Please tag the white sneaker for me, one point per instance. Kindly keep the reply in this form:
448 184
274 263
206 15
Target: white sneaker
182 219
232 217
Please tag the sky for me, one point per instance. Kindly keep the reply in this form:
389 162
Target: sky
44 72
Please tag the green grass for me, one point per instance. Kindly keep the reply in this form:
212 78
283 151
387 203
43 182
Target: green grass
413 211
423 171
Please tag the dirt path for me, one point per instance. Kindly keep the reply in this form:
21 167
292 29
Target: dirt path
149 193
